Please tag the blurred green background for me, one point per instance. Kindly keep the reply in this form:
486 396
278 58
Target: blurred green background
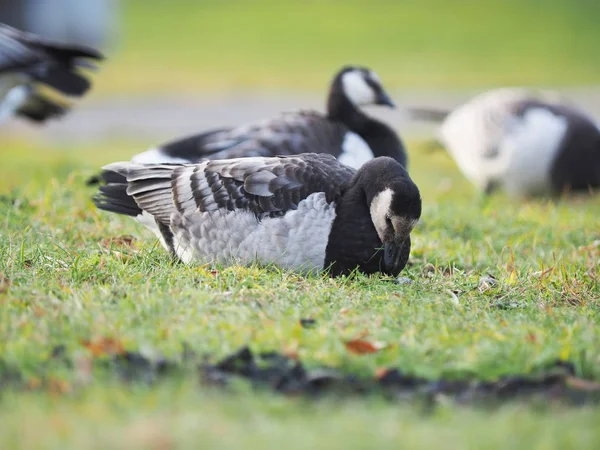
186 45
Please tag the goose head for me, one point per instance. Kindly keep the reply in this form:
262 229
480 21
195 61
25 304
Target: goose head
394 203
361 86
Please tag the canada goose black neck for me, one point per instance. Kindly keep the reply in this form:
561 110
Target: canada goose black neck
340 108
380 138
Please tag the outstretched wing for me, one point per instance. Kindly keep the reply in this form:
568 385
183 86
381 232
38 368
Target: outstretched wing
290 133
263 186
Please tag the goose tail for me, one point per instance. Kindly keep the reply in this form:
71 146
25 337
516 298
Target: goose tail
112 194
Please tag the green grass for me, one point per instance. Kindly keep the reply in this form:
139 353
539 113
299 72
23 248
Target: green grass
70 283
211 45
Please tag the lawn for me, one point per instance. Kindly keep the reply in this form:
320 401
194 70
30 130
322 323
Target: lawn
69 285
209 45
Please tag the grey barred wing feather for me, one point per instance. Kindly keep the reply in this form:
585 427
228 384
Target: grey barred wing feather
267 187
290 133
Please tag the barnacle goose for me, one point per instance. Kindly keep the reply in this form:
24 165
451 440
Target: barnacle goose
305 212
525 142
28 61
345 132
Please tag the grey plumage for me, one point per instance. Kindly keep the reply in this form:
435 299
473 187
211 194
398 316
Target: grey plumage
271 210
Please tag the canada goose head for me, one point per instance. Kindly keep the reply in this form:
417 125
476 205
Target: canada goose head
362 86
395 206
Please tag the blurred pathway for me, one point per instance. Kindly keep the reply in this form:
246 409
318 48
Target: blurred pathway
156 119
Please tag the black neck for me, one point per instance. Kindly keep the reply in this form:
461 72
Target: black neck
341 109
382 140
353 241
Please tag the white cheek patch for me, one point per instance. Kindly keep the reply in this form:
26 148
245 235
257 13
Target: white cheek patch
380 208
357 89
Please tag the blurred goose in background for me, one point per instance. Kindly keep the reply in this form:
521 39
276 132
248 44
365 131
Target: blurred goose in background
305 212
27 62
524 142
345 132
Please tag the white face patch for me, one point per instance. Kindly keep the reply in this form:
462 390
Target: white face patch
357 89
380 209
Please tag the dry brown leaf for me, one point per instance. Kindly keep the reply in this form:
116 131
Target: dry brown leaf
583 385
363 347
101 345
381 372
532 338
118 241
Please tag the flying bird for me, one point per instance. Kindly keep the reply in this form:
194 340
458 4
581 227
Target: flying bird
32 66
522 142
306 212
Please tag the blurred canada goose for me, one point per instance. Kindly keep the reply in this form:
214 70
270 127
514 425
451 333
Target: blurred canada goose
28 61
305 212
523 142
345 132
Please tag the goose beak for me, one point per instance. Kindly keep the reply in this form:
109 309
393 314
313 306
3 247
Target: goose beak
391 255
385 99
395 255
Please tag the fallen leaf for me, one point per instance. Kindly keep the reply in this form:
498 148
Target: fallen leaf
118 241
363 347
100 346
532 338
381 372
582 385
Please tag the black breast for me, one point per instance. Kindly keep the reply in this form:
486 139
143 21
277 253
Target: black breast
577 163
353 242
